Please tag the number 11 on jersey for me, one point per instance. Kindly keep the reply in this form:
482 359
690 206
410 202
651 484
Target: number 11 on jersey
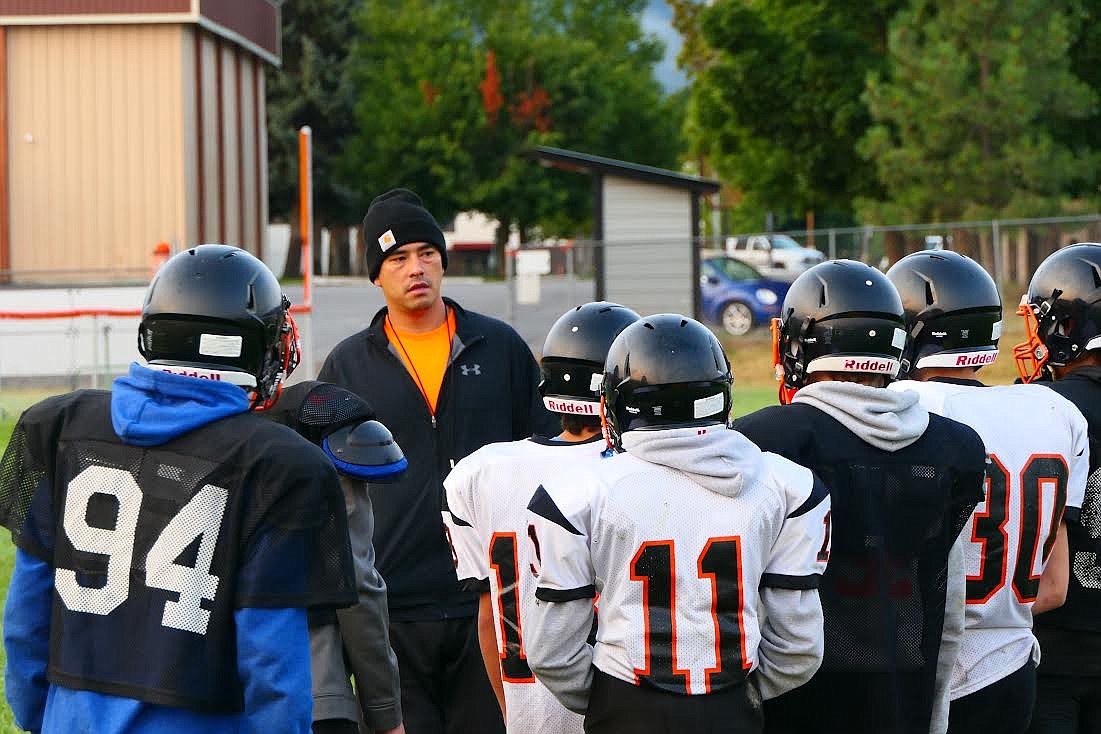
720 562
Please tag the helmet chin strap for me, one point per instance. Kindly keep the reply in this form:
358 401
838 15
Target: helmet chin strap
605 426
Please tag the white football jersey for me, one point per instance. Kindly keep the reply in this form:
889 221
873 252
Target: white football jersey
676 567
1039 462
487 521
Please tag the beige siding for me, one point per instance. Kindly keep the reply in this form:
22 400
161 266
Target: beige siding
96 145
648 250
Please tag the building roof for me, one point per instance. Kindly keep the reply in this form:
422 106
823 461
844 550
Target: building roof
252 24
572 160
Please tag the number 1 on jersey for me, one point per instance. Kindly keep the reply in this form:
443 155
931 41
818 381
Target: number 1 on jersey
504 559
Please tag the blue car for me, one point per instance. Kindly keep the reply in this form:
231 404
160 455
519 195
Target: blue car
736 297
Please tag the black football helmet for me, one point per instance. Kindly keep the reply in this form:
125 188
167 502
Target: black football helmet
665 371
839 316
572 366
217 312
952 307
1062 310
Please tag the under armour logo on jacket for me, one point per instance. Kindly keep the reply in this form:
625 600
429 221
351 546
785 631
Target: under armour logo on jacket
475 369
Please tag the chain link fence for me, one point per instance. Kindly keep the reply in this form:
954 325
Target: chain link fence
1010 249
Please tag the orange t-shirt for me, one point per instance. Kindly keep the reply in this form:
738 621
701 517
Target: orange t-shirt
428 351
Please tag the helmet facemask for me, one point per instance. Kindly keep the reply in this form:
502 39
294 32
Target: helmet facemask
282 359
1062 311
1032 354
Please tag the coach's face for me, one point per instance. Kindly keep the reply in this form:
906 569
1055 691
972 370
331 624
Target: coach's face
410 277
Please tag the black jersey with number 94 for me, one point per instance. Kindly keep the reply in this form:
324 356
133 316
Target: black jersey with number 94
154 548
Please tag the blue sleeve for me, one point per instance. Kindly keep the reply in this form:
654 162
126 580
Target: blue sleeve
273 660
27 639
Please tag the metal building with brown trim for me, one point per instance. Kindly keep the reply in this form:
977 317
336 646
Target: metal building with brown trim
124 123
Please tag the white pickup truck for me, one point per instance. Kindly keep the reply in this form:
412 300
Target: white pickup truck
775 255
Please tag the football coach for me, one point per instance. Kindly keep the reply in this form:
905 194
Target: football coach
446 381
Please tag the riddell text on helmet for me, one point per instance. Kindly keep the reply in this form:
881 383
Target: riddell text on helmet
183 371
869 365
570 406
975 360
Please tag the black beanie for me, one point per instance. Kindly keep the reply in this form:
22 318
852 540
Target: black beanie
397 218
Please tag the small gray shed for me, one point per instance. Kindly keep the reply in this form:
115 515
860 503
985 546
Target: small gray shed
648 222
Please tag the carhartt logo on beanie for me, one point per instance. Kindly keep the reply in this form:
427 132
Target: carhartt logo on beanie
396 218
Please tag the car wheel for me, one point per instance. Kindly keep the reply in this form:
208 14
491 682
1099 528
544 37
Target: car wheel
736 318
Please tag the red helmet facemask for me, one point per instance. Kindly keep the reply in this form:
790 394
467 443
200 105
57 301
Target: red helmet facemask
290 348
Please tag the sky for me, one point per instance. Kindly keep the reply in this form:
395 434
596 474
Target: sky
658 20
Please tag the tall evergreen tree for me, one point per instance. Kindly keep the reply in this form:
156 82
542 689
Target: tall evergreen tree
965 118
777 106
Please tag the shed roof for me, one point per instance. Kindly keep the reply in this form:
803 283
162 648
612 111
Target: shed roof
573 160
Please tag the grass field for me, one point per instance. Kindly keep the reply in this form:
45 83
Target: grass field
754 388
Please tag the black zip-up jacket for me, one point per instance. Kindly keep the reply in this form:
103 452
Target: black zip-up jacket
489 393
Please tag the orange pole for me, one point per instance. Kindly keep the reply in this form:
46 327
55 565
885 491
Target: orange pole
305 205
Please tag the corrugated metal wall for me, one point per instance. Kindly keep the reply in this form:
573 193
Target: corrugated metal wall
231 201
648 246
96 146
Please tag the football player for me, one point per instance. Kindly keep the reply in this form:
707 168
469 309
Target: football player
169 539
705 553
1015 543
487 497
355 643
1062 313
903 483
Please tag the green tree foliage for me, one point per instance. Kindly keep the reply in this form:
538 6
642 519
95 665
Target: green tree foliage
1085 63
966 118
777 105
452 91
312 88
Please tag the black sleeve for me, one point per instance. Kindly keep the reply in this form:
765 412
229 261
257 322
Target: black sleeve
26 488
969 487
295 547
365 625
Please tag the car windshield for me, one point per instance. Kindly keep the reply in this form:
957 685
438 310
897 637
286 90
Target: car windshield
735 269
783 242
